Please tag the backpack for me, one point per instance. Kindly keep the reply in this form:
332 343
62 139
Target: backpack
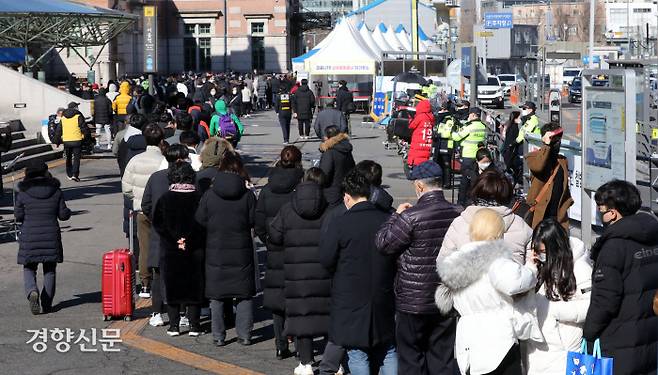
227 128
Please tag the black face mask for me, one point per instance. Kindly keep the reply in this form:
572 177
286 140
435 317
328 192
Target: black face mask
462 113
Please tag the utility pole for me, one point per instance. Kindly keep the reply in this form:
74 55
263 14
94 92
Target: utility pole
592 13
474 77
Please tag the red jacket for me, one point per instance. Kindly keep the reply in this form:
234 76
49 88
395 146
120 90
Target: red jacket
421 138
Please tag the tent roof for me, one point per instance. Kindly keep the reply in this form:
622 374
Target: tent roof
377 3
367 37
393 40
380 40
346 44
400 29
316 49
59 23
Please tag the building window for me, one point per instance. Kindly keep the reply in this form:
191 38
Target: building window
204 28
196 47
189 53
258 53
190 28
205 62
257 28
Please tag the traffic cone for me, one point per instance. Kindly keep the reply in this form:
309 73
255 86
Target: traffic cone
579 125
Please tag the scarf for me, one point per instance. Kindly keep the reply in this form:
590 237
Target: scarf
182 188
486 203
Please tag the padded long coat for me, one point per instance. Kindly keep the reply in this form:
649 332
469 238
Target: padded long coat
277 192
39 205
227 212
307 282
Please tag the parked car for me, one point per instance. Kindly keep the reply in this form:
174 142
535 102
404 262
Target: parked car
576 90
509 80
568 74
491 93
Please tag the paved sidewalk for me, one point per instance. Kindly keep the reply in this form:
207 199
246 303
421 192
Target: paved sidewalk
96 228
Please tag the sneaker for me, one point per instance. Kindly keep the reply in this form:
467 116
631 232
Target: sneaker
341 370
173 331
195 333
303 370
76 179
33 297
69 178
184 322
145 292
156 320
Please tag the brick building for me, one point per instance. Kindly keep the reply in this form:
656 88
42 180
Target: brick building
197 35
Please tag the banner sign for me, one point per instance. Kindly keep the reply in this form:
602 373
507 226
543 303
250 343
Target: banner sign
150 39
498 21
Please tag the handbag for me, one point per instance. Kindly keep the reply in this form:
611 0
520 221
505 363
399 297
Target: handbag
581 363
527 210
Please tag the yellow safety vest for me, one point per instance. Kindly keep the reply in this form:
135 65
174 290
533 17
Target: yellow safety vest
444 130
71 130
531 125
470 136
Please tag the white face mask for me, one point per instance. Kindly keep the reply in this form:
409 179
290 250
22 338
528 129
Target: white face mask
213 92
484 165
525 112
541 257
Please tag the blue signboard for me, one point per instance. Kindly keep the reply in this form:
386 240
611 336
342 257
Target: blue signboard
498 21
466 61
378 104
597 59
12 55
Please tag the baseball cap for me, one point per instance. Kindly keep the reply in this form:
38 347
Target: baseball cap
426 169
529 104
73 105
475 110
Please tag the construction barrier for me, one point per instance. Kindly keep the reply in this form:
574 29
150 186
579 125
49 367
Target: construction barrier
514 95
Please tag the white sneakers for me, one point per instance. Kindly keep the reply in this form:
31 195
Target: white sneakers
303 370
341 370
184 322
156 320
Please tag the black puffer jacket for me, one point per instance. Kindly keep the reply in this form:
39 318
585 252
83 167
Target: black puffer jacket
307 283
102 108
336 162
275 194
39 204
303 103
624 282
416 236
227 212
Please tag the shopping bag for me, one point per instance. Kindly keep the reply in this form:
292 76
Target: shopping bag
581 363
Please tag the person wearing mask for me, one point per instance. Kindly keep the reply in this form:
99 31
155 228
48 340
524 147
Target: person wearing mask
549 180
112 91
129 142
414 234
156 187
492 190
443 143
562 297
420 149
625 281
246 100
530 122
183 122
345 102
225 125
120 102
133 183
362 318
469 176
235 102
283 178
73 131
479 281
510 150
38 207
283 109
329 116
471 136
336 161
303 107
182 243
212 153
227 211
461 110
190 140
307 283
261 93
103 119
54 134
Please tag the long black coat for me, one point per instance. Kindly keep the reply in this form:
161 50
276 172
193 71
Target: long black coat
275 194
362 297
624 282
416 236
307 283
336 162
205 178
156 187
303 103
102 108
227 212
181 270
39 204
343 98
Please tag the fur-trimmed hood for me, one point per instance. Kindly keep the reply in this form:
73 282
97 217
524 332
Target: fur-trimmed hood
341 143
39 187
465 267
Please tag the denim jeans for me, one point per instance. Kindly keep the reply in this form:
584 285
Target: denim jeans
382 360
49 281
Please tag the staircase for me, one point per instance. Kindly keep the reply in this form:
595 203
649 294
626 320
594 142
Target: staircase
27 143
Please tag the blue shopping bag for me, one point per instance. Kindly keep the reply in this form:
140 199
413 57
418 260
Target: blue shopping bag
581 363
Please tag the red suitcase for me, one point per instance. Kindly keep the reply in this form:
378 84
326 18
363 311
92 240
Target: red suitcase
118 285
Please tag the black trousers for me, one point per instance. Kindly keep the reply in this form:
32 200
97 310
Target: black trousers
425 344
284 121
304 127
445 161
193 314
332 358
511 364
468 173
280 339
305 350
73 150
157 306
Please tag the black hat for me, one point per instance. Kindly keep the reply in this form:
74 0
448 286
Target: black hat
426 169
475 110
462 103
36 169
529 104
73 105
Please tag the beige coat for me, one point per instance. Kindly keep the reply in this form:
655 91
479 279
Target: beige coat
137 174
517 233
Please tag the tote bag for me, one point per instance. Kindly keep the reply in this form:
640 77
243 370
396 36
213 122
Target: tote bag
581 363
